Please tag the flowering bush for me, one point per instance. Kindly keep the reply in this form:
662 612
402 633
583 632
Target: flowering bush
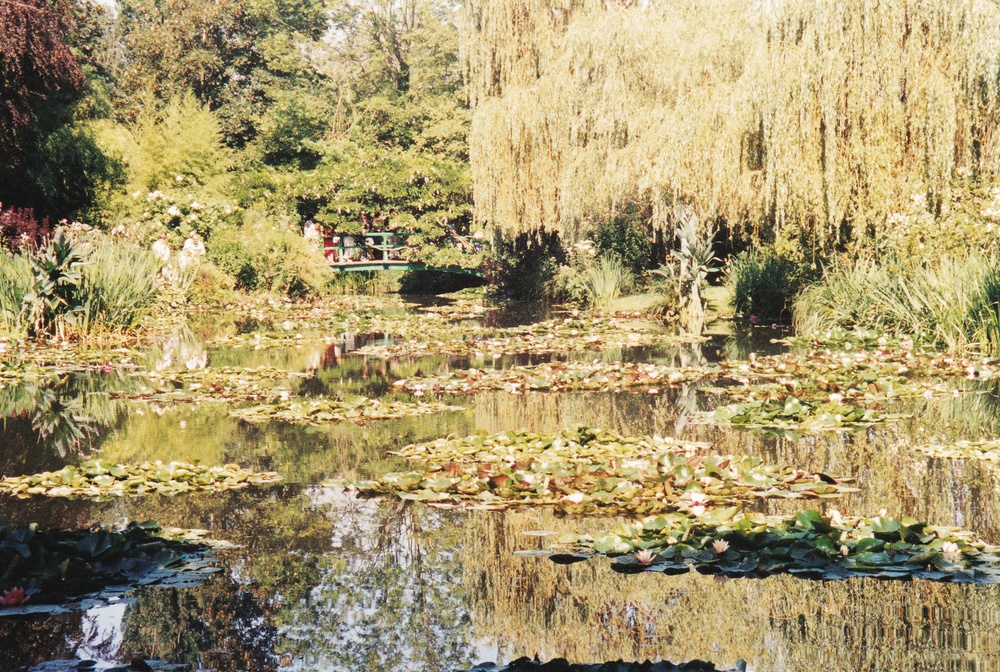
19 227
156 212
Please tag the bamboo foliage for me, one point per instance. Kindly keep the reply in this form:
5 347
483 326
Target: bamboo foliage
788 116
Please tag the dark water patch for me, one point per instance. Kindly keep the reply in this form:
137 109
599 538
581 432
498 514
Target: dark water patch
47 570
526 664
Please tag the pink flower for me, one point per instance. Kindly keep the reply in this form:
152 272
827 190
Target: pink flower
644 557
14 597
720 546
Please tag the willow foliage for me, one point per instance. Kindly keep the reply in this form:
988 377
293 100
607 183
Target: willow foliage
779 116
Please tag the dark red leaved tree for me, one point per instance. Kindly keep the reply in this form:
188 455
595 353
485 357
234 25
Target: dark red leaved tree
35 65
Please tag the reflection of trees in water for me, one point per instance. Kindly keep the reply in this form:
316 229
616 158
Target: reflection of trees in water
218 625
387 600
65 413
627 413
30 640
587 612
322 580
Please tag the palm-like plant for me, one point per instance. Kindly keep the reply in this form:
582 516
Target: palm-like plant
696 260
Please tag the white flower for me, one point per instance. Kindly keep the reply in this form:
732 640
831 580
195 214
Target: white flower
696 497
834 516
720 546
174 211
576 497
179 178
698 509
950 548
844 550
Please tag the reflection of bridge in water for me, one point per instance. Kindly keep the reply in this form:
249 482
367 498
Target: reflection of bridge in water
384 251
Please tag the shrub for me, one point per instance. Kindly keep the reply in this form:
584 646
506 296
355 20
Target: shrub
20 227
209 285
625 239
763 284
264 257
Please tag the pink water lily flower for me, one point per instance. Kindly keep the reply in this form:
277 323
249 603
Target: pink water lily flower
14 597
720 546
644 557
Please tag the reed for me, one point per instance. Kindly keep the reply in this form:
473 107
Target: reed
954 303
15 282
118 287
606 280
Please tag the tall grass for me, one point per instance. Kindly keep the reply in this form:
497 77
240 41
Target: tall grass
605 281
15 282
954 303
763 284
118 287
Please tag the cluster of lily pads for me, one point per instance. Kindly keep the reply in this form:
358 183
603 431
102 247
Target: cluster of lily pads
100 479
320 411
298 323
575 333
556 377
226 384
583 470
987 450
808 544
799 415
47 567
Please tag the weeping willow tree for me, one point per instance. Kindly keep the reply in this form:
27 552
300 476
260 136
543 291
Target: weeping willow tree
812 119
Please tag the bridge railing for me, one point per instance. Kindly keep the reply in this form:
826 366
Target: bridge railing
378 247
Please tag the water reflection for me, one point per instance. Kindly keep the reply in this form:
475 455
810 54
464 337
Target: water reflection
327 582
46 422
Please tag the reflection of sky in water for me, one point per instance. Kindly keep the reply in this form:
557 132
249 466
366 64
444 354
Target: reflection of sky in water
103 633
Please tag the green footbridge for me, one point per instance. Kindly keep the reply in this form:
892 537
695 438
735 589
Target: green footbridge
385 251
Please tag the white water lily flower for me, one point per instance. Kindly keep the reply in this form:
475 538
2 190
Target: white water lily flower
696 497
720 546
835 517
844 550
950 548
575 497
698 509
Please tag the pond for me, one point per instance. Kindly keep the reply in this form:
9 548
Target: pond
317 577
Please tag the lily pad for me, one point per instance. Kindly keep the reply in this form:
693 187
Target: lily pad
588 470
809 544
100 479
358 410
